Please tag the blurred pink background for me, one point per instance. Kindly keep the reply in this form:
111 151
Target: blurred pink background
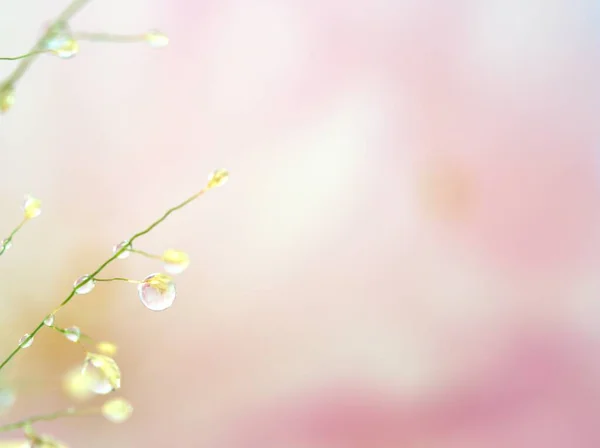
405 255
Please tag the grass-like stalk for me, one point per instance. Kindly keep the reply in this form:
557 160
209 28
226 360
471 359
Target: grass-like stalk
69 412
100 268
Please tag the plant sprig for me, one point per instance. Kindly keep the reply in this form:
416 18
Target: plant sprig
27 59
216 178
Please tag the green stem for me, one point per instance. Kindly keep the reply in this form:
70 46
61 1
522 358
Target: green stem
9 238
116 279
23 56
48 417
145 254
65 16
105 37
106 263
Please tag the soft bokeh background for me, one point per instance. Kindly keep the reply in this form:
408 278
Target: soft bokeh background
407 251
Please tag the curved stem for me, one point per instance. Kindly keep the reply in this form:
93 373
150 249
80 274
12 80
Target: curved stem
105 37
9 238
106 263
65 16
145 254
26 55
117 279
48 417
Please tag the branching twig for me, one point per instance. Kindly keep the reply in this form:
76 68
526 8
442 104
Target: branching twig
70 412
29 58
110 260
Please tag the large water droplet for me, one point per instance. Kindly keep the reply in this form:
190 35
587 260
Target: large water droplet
32 207
120 246
26 340
175 261
157 292
84 289
117 410
73 334
104 373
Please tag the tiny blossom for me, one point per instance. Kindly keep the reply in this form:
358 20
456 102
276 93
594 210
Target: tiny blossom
7 97
218 178
107 348
156 39
78 385
117 410
32 207
175 261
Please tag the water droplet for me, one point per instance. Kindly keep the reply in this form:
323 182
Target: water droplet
175 261
84 289
107 348
156 39
157 292
5 244
49 320
104 373
217 178
60 41
73 334
117 410
26 340
125 253
32 207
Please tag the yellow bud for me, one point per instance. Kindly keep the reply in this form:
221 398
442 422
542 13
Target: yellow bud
175 261
78 385
117 410
217 178
107 348
156 39
32 207
7 97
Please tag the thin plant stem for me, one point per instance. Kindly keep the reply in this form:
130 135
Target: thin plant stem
26 55
105 264
9 238
118 279
65 16
106 37
145 254
70 412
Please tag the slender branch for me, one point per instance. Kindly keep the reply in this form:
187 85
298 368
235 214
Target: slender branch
145 254
70 412
8 240
106 263
117 279
26 55
106 37
65 16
